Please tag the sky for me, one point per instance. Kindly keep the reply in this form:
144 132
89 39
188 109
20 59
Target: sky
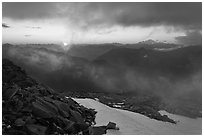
121 22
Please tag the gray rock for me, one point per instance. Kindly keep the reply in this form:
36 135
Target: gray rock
40 110
76 116
97 130
36 129
111 125
19 122
9 93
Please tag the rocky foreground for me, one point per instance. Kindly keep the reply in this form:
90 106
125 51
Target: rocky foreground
32 108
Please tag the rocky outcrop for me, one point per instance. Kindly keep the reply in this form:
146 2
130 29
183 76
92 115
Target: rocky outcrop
100 130
32 108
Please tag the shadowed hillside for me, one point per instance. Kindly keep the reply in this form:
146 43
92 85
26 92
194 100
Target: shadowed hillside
173 76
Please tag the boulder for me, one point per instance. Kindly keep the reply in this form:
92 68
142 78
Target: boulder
62 122
83 126
48 105
71 128
92 111
9 93
71 102
111 125
63 108
36 129
26 83
97 130
40 110
76 116
19 122
56 130
30 120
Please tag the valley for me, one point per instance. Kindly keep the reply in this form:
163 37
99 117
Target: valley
140 80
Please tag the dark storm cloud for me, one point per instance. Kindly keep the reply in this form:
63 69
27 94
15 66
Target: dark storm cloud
28 10
191 38
188 15
4 25
145 14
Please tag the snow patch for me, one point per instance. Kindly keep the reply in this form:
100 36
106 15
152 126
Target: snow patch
117 106
131 123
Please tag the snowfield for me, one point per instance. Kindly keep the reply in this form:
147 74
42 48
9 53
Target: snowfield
131 123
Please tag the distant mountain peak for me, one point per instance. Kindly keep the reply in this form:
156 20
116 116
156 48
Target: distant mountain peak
149 42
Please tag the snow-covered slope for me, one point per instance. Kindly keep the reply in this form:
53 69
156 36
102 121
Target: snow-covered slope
134 123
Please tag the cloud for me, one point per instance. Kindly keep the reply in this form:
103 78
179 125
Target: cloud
47 65
33 27
89 15
4 25
27 35
191 38
27 10
101 18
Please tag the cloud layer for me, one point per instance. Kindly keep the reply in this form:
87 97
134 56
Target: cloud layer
80 17
105 14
